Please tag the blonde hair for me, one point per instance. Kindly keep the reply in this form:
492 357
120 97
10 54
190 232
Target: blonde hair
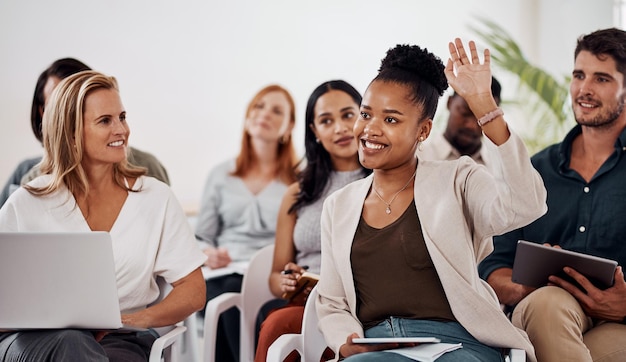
286 152
62 129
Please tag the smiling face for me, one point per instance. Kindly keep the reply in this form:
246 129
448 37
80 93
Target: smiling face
268 118
597 91
105 131
389 126
334 115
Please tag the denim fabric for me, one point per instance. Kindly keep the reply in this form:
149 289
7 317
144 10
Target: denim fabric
447 332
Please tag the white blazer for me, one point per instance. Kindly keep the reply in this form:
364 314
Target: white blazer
460 206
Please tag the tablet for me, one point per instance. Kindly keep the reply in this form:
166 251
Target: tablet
397 340
534 263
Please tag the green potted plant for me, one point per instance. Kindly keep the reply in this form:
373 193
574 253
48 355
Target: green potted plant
541 98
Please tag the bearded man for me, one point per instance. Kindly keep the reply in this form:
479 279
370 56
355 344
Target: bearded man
585 178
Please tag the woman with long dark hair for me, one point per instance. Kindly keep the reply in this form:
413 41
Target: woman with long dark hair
331 163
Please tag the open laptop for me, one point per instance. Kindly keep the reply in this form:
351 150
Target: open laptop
534 263
58 280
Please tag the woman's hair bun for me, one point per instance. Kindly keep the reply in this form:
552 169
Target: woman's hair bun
420 62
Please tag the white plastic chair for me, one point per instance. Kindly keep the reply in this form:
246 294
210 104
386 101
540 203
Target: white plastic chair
515 355
167 347
310 343
255 292
312 350
177 343
174 344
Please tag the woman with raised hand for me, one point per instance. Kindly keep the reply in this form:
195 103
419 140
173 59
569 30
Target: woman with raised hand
331 163
400 248
241 199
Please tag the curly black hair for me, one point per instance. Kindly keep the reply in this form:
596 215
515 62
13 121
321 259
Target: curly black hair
419 69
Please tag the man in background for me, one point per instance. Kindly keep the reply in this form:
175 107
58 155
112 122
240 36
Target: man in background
463 136
584 176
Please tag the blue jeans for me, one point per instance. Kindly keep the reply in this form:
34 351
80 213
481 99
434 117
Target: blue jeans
447 332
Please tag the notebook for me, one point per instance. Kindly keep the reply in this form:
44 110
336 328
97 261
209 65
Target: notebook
534 263
58 280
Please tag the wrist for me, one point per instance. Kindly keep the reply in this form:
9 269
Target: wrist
490 116
481 103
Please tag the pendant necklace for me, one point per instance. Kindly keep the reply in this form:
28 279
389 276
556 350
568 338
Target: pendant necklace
388 209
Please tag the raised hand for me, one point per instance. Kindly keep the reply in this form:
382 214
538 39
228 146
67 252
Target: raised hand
466 75
472 81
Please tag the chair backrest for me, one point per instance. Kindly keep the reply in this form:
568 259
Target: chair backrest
314 343
255 292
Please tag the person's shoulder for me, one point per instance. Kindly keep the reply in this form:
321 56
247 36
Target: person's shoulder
547 155
435 147
21 194
28 163
460 162
24 167
151 185
294 188
224 167
137 153
219 174
40 181
143 158
433 171
354 186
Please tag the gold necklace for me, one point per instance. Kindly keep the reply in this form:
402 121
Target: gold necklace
388 209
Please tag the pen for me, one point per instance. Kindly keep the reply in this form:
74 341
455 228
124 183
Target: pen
291 271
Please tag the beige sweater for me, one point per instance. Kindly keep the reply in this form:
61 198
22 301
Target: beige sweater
460 206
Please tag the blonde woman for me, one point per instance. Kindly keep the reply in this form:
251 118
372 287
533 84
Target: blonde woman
88 185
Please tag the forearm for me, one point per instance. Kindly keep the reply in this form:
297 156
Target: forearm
187 297
508 292
275 284
496 130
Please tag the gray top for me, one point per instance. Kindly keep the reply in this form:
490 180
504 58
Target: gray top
307 233
233 217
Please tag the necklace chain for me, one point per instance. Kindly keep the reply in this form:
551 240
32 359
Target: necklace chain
388 209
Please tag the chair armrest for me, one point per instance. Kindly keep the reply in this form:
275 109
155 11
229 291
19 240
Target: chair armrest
165 341
284 345
516 355
214 308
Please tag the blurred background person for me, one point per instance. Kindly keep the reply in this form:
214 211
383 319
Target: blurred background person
331 163
241 198
462 136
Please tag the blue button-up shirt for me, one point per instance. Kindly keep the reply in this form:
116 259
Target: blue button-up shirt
588 217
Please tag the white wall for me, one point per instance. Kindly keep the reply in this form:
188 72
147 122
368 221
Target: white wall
188 68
